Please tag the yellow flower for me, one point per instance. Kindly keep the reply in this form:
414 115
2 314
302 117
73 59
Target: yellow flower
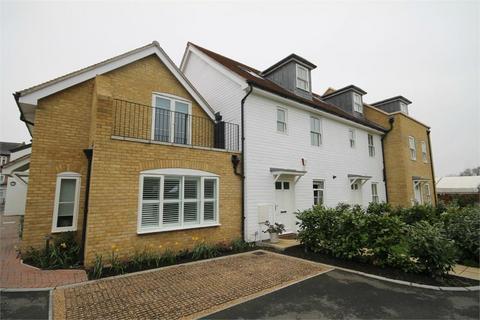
63 245
160 246
113 247
116 250
176 243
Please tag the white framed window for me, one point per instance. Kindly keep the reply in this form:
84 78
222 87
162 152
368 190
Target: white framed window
303 81
351 137
426 191
357 103
412 147
403 107
424 151
171 119
375 198
175 199
281 120
67 195
318 192
315 131
371 146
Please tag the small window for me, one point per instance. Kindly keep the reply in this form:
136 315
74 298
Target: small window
424 151
172 202
286 185
375 198
3 160
412 147
302 78
371 146
351 137
357 103
318 192
278 185
403 107
66 202
315 131
355 185
281 120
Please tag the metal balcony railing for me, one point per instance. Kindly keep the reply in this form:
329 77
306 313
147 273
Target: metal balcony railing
138 121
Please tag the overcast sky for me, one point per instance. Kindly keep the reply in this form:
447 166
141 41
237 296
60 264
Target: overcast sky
428 52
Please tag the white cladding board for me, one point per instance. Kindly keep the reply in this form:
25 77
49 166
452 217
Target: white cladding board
265 212
266 148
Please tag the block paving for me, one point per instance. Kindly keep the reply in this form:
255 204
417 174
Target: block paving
182 291
15 274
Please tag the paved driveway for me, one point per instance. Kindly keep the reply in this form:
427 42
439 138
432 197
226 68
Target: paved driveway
341 295
188 290
24 305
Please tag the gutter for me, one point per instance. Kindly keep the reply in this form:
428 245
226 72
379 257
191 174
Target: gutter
89 154
242 108
385 181
431 167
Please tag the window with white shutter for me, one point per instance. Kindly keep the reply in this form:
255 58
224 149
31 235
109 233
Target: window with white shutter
173 202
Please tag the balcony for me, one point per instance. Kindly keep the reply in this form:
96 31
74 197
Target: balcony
157 125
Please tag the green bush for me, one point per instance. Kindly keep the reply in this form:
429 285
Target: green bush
379 208
238 245
63 253
462 225
430 249
417 213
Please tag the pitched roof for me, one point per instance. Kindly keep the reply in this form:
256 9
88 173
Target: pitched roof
292 56
347 88
6 147
254 77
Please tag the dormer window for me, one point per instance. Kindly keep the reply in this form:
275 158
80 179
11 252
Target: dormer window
302 78
357 103
403 107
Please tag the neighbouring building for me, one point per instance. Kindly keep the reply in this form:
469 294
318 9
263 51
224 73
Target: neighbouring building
409 170
463 190
127 153
300 149
5 148
17 171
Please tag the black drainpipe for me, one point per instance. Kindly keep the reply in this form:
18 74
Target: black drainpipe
242 125
391 121
431 167
89 154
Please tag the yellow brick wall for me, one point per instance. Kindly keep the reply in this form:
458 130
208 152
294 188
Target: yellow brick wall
64 128
399 167
62 124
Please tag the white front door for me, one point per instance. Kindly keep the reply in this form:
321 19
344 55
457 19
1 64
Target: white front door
356 193
285 205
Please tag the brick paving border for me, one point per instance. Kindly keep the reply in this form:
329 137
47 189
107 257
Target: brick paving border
15 274
182 291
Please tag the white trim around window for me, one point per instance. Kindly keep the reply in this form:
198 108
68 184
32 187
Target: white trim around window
371 146
316 136
318 192
177 199
412 147
282 120
424 151
171 136
351 137
302 79
67 195
375 198
357 103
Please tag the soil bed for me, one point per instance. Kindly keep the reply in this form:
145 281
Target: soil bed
392 273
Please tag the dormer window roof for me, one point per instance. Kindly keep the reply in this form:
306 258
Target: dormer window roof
395 104
293 57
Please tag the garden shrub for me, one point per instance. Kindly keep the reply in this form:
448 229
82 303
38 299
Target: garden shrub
462 225
430 249
204 251
63 253
417 213
379 208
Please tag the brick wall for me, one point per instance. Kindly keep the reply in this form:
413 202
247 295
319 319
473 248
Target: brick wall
399 167
64 128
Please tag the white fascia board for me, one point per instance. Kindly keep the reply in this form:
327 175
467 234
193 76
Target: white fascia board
214 64
11 169
33 97
307 108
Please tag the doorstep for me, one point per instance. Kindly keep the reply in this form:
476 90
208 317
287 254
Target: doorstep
281 245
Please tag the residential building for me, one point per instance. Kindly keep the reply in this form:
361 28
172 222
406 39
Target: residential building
5 148
463 190
409 170
17 171
299 148
128 155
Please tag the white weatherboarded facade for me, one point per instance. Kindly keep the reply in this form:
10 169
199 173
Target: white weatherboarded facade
282 169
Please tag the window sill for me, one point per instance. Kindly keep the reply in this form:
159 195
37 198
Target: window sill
157 230
60 230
